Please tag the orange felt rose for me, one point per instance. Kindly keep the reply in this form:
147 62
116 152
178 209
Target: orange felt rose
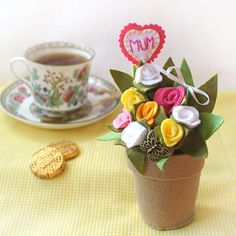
148 111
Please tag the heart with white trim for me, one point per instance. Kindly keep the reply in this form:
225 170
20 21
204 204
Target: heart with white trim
141 43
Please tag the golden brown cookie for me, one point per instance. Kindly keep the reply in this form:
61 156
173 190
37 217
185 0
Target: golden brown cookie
68 149
47 163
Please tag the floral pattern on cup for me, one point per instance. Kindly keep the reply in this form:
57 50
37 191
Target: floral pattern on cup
54 93
56 87
18 97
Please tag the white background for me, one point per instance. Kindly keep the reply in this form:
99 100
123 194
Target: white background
202 31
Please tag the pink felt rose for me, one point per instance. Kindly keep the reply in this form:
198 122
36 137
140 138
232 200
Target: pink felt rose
169 97
122 120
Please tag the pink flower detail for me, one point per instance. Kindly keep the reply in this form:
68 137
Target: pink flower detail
19 98
169 97
82 72
22 89
122 120
91 89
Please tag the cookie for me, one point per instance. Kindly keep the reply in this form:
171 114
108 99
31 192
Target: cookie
68 149
47 163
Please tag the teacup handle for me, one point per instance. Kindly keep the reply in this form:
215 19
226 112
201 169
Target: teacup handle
22 60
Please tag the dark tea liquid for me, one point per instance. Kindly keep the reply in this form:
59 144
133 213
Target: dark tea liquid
61 59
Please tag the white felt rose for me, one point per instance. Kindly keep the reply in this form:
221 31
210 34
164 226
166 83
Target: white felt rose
134 134
187 115
147 75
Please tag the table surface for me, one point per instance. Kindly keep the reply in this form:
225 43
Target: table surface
95 194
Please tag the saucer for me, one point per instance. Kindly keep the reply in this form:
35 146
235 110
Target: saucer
17 101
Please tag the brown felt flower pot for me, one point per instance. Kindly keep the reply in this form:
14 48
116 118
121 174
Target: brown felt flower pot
167 198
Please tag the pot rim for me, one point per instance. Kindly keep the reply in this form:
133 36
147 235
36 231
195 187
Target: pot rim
165 178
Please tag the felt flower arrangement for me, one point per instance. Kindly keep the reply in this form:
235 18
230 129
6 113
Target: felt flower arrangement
163 114
161 117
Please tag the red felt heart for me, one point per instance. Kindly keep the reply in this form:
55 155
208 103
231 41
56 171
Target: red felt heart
141 43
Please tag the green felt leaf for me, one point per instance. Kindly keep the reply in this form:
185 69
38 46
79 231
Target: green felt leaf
195 145
110 136
168 63
187 131
209 124
160 163
136 156
111 127
157 132
119 142
186 73
145 124
150 94
161 115
136 105
166 82
210 87
122 80
142 88
134 68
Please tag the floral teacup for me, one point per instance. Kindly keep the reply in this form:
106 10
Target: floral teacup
58 74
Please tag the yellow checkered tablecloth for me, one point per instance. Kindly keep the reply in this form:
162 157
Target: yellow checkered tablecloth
95 194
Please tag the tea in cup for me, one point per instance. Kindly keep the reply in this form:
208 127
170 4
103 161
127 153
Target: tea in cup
58 74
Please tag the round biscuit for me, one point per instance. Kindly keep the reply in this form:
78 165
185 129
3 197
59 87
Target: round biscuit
68 149
47 163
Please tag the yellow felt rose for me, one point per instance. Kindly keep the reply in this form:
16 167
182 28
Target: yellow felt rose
148 111
172 132
130 97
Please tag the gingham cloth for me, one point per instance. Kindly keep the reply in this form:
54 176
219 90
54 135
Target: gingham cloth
95 194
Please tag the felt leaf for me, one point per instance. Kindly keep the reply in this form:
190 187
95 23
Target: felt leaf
143 88
122 80
160 163
209 124
157 132
210 87
112 128
119 142
110 136
161 115
166 82
195 145
134 68
145 124
151 92
136 105
136 156
178 152
187 131
186 73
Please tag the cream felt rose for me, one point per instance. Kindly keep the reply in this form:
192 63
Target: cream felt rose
134 134
169 97
122 120
147 75
187 115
